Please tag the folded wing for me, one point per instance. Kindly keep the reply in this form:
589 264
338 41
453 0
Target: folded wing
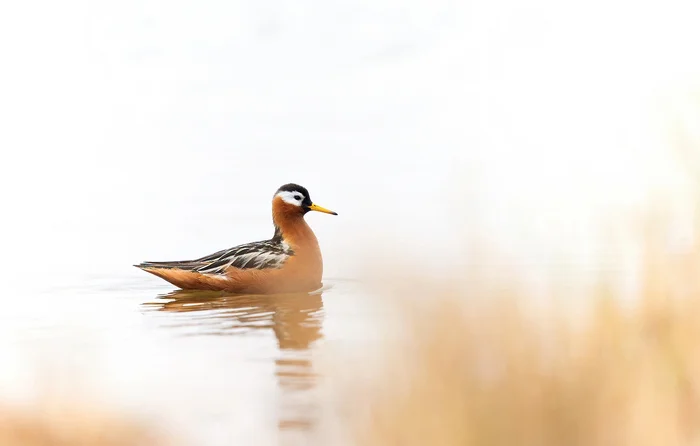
257 255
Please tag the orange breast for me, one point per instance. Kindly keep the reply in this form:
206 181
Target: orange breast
301 272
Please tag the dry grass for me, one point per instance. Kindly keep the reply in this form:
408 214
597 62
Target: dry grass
481 366
67 425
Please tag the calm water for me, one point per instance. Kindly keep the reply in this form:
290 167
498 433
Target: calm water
212 366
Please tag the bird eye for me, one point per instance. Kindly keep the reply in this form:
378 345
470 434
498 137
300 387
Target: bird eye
297 197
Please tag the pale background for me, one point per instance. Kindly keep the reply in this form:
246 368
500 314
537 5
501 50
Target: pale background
159 130
151 129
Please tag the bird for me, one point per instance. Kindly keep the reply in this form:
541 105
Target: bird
288 262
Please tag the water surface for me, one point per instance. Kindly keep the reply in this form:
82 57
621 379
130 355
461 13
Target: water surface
211 366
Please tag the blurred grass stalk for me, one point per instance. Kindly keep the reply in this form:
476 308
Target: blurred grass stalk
480 364
62 423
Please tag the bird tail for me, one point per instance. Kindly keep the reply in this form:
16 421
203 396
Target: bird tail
184 265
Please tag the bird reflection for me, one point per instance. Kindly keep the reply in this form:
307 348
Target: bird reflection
295 319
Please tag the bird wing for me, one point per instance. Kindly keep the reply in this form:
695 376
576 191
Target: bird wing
257 255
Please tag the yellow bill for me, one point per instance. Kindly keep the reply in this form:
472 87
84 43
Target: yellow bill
317 208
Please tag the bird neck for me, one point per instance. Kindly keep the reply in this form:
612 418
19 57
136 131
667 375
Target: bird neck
294 230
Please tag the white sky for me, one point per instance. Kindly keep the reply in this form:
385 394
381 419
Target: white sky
144 129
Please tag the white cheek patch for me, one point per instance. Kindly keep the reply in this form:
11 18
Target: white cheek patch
288 197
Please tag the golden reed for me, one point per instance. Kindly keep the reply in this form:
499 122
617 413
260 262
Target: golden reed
72 425
479 363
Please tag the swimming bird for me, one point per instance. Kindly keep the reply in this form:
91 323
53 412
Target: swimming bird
290 261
